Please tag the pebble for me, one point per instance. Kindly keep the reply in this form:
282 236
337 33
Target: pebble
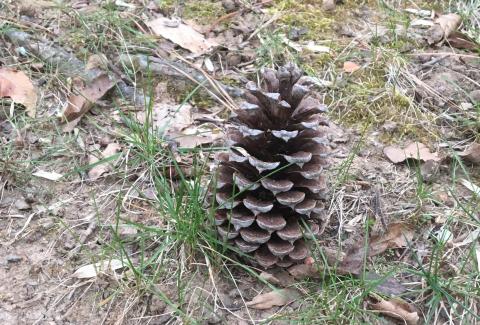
13 258
475 96
22 204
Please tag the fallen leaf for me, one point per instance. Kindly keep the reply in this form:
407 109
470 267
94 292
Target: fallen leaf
181 34
397 235
462 41
468 239
87 95
101 165
477 253
414 150
274 298
52 176
419 12
384 285
422 23
278 277
398 309
17 86
302 271
472 153
315 48
350 67
472 187
443 27
92 270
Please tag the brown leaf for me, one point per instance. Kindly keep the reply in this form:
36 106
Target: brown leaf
396 236
398 309
414 150
278 277
102 168
444 26
302 271
462 41
274 298
386 286
472 153
350 67
181 34
17 86
88 94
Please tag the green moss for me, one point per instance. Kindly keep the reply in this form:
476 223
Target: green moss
204 12
366 101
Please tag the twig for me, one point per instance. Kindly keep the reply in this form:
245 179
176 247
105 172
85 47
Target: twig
444 53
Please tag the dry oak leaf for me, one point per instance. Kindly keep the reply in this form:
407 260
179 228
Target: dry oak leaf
88 94
472 153
397 235
349 66
181 34
398 309
414 150
101 167
443 27
17 86
274 298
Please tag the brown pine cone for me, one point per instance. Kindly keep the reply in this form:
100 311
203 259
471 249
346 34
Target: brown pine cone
271 185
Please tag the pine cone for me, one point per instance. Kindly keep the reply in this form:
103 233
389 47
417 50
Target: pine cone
270 185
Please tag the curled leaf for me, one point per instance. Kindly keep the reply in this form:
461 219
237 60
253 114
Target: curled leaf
92 270
398 309
274 298
17 86
414 150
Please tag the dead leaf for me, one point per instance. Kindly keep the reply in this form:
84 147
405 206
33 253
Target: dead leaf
472 153
384 285
274 298
52 176
102 167
443 27
91 270
181 34
471 186
350 67
87 95
278 277
462 41
398 309
302 271
397 235
468 239
17 86
414 150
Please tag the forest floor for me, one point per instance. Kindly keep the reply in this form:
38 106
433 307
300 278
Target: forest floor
111 115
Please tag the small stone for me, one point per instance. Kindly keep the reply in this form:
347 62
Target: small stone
13 258
328 5
229 5
466 106
127 232
429 170
475 96
233 59
22 204
389 126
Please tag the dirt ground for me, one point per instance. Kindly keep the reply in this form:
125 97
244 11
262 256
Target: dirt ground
387 82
